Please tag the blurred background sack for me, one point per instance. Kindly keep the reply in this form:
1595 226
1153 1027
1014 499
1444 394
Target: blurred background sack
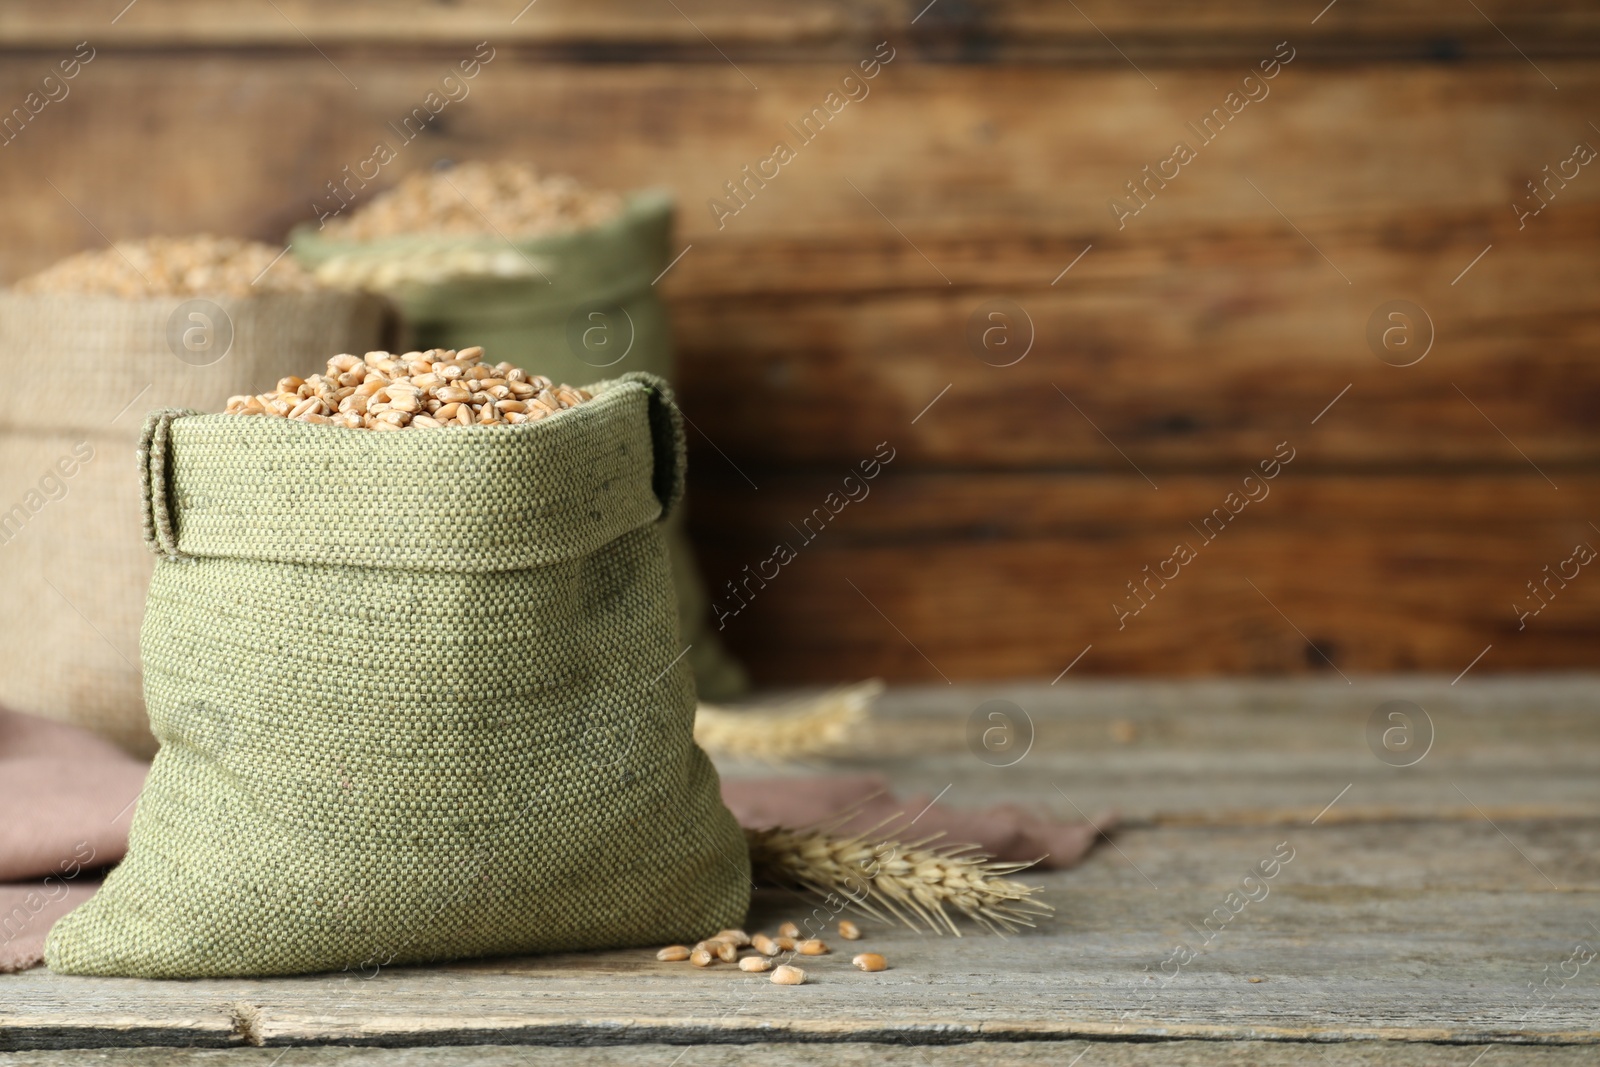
539 272
71 554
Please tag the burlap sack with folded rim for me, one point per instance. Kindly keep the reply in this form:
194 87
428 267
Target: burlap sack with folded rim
87 368
420 696
530 321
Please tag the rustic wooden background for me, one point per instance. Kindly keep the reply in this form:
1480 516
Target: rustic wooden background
1173 356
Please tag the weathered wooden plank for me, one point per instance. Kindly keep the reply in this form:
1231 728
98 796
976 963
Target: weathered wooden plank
1153 30
1266 791
1483 720
946 152
1334 963
990 575
1011 255
235 24
1242 756
1206 365
852 1054
1359 934
1206 321
1426 854
1203 333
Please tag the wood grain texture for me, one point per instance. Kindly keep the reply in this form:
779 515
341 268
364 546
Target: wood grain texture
938 576
834 307
1204 326
1218 756
1016 155
1151 30
1196 366
1421 927
1384 964
842 1054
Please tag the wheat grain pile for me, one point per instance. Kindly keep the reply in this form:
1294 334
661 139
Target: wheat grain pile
199 265
418 390
508 200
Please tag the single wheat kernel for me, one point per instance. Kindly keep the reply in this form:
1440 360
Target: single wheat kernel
764 945
787 975
870 961
673 953
702 957
847 929
788 930
755 964
811 947
738 938
726 951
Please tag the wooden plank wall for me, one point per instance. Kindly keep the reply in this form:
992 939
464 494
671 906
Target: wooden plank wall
1187 344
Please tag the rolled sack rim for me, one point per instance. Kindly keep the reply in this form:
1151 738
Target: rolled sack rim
479 498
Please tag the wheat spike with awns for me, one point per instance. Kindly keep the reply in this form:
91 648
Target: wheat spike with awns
809 727
916 883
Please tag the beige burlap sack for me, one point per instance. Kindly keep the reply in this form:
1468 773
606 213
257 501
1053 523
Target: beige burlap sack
72 556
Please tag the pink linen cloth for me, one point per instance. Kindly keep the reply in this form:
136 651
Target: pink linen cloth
66 798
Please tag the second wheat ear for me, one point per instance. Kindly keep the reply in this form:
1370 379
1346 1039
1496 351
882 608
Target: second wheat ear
804 728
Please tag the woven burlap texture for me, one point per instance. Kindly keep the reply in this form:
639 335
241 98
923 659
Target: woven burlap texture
586 306
420 696
70 557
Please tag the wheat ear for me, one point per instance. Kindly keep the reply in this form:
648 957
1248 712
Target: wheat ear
913 882
804 728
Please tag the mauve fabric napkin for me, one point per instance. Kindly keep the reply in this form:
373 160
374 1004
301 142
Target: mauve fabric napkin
66 799
1006 831
26 914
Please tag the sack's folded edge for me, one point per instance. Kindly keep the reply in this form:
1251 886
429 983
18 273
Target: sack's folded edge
470 498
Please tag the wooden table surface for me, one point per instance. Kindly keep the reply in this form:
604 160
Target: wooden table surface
1441 912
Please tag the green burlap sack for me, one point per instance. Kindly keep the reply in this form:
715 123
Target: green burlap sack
420 696
566 306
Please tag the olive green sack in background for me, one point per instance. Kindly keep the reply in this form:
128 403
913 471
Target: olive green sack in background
71 561
584 305
420 696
